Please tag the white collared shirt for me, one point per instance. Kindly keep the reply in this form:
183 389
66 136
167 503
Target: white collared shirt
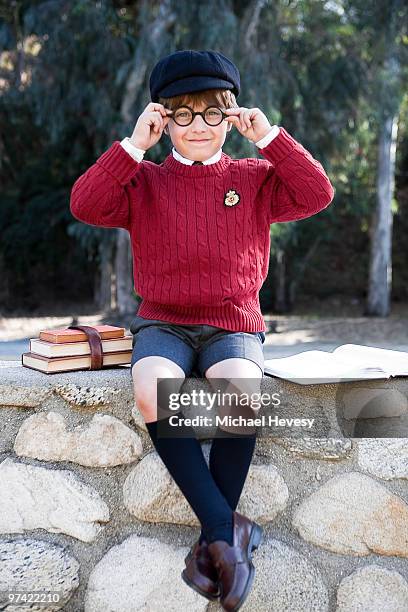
138 154
184 160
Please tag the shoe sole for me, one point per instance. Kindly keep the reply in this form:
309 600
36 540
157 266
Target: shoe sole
198 590
254 541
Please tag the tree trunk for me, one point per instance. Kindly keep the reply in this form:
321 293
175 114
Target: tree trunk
124 277
154 32
105 293
280 295
380 277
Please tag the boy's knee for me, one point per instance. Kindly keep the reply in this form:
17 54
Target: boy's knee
154 367
145 397
145 373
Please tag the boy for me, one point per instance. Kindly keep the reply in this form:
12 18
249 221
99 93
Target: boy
200 232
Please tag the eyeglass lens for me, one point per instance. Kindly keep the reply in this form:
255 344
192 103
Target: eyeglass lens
184 116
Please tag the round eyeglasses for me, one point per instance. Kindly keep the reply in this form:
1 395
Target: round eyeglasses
184 115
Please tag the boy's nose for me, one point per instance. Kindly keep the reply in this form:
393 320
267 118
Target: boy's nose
198 121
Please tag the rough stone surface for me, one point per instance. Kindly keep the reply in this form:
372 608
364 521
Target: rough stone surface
373 588
314 448
353 514
23 397
35 565
371 403
284 581
35 497
85 396
385 458
139 575
138 418
265 493
286 578
103 441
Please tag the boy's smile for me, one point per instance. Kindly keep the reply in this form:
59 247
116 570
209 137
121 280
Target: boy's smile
198 141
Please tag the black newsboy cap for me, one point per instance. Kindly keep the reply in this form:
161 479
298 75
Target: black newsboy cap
189 71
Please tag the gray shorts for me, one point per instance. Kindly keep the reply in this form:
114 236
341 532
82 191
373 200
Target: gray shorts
193 347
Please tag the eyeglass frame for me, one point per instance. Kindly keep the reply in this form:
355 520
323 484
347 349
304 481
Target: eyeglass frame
202 113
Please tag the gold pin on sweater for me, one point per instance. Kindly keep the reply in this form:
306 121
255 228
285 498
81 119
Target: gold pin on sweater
231 198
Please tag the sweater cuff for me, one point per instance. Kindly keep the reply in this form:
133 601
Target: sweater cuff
118 163
134 152
273 132
279 147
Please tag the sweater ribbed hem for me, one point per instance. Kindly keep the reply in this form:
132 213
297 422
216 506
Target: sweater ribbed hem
119 163
279 147
247 318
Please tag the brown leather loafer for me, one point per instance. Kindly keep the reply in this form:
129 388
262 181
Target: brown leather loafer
234 563
200 573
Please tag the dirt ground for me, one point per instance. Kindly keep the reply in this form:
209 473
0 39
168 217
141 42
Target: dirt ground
334 320
339 321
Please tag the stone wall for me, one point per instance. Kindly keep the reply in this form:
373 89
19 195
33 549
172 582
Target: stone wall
88 510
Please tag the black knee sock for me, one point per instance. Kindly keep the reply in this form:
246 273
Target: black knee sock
186 463
230 459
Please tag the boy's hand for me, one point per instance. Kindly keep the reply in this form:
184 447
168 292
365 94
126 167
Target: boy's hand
150 125
250 122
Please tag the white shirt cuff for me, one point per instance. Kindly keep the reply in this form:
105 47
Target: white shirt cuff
269 137
133 151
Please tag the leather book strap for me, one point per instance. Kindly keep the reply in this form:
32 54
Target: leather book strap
95 344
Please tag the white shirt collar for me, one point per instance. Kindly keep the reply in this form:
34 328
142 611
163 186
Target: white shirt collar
189 162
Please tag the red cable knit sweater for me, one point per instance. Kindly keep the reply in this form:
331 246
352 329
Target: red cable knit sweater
200 234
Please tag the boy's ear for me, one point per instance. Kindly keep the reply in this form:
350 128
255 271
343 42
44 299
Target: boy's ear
229 127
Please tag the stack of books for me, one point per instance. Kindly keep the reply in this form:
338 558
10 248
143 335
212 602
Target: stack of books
64 349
